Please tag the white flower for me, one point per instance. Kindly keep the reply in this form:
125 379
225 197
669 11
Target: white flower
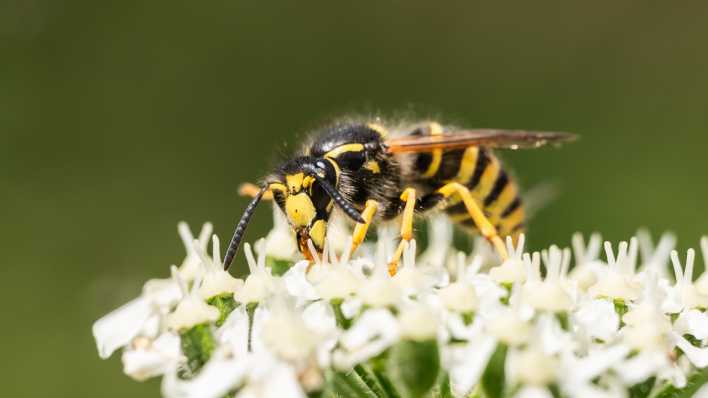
259 284
618 281
379 290
702 282
697 355
280 243
191 310
512 270
191 265
118 328
286 334
146 358
215 281
532 366
598 319
656 257
685 294
374 331
466 362
221 374
418 322
587 266
692 322
548 294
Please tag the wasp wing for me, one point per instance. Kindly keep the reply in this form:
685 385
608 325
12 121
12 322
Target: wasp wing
492 138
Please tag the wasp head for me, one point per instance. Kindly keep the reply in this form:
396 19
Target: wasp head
303 192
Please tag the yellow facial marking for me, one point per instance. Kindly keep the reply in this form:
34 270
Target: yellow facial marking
300 210
378 128
294 182
373 166
317 233
344 148
276 186
307 181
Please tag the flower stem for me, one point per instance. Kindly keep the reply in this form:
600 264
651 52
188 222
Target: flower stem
370 380
250 311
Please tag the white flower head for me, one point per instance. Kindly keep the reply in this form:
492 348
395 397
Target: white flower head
191 265
286 334
512 270
191 310
684 292
596 331
702 281
259 284
587 265
618 282
215 281
145 358
548 294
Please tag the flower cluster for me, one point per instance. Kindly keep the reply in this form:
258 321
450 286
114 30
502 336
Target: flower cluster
447 324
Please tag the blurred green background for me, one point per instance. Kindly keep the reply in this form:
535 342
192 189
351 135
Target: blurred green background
120 118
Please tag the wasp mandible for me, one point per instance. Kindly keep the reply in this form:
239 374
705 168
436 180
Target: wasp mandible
372 172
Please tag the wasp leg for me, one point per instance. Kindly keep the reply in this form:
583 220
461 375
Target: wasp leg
360 229
407 196
251 190
486 228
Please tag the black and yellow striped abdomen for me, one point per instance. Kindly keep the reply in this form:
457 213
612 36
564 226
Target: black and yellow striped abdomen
482 173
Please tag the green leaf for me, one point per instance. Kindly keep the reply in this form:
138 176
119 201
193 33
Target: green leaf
443 390
695 381
643 389
225 303
278 266
493 378
197 345
345 385
414 366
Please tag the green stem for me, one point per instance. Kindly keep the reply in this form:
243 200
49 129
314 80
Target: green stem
370 380
250 310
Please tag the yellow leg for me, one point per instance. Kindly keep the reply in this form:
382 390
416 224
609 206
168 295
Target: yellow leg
407 196
251 190
360 229
485 227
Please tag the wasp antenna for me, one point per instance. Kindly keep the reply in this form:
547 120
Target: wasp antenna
348 209
241 228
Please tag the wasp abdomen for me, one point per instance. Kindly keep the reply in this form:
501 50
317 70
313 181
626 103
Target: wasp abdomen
481 172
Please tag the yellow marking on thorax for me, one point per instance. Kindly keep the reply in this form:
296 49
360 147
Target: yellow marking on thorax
467 165
373 166
317 233
299 209
294 182
486 182
344 148
434 129
378 128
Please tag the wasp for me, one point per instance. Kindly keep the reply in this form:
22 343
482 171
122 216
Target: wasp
371 172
